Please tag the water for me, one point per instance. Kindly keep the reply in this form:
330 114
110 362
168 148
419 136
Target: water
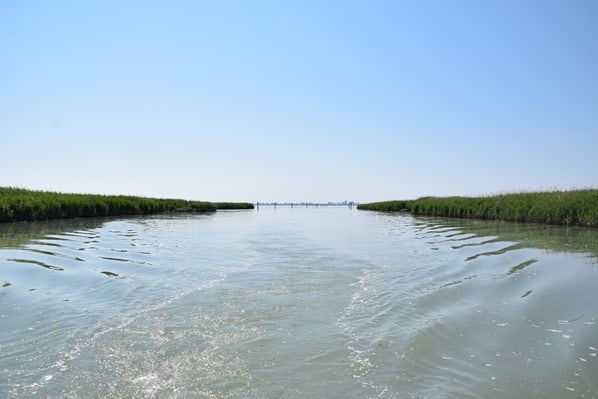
297 303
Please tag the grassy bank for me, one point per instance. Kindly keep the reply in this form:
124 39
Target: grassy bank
575 208
27 205
232 205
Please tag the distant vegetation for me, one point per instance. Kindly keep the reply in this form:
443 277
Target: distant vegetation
19 205
575 208
232 205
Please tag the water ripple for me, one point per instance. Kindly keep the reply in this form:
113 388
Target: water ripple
296 304
521 266
36 263
501 251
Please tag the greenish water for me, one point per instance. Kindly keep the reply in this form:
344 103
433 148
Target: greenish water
297 303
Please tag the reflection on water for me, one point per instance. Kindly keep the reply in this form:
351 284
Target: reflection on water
15 235
297 303
553 238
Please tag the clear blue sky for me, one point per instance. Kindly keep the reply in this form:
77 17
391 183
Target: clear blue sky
299 100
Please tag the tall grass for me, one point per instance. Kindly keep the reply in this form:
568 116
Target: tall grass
20 204
233 205
575 208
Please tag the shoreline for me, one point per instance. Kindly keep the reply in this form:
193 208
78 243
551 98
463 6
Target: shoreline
565 208
23 205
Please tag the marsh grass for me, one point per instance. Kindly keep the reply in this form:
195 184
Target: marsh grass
18 204
574 208
233 205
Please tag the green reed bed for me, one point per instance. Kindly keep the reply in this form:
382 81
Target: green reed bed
233 205
27 205
575 208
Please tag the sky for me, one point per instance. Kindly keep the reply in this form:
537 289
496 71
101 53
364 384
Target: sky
299 100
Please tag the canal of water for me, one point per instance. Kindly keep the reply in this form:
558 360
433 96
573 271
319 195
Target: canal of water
326 302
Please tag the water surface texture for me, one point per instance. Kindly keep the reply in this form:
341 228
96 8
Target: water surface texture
297 303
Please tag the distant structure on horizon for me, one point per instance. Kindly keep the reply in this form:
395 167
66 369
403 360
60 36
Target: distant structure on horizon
349 204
